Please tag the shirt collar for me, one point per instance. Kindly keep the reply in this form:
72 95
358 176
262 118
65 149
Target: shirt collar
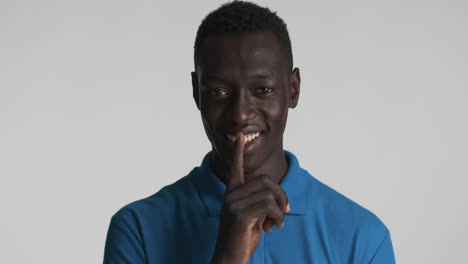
211 189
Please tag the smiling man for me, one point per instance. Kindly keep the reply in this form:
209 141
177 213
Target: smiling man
249 201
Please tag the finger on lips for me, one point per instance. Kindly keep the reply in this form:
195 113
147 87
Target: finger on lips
261 197
237 172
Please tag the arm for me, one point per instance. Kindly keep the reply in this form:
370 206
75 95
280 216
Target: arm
123 244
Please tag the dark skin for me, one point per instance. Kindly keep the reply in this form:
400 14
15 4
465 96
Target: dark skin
244 85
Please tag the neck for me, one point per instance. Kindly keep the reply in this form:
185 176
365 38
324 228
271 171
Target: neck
274 166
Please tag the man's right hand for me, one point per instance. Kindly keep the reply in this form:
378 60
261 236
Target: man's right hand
248 208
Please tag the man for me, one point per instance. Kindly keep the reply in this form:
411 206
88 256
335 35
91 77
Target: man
249 201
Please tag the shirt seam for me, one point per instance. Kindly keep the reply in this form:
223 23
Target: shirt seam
380 246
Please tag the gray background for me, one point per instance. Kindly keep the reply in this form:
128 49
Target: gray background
96 111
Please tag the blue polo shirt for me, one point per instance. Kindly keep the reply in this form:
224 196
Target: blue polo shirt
179 224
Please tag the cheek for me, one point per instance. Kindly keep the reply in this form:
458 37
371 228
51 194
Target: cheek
277 114
209 130
210 117
279 123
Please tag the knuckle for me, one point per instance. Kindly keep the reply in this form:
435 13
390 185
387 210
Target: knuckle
264 179
269 195
270 205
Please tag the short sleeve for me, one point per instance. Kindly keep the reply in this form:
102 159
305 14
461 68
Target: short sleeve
384 254
123 244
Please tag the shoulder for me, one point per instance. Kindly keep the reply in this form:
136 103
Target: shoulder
139 224
349 225
339 207
158 204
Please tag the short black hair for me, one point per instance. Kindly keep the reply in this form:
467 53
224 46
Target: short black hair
238 17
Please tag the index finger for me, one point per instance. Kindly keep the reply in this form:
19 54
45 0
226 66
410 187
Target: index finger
236 177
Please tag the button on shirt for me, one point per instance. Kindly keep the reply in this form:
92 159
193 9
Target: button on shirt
179 224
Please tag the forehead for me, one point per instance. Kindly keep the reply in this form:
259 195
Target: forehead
242 54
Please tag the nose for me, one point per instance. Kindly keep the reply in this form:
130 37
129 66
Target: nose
242 109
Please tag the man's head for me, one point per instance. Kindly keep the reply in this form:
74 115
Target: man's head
239 17
244 81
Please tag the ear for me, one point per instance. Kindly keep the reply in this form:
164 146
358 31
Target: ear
294 87
195 89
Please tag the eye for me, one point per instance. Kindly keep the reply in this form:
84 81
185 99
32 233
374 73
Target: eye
218 92
264 90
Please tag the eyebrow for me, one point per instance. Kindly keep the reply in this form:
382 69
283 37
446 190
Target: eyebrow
266 75
261 75
213 78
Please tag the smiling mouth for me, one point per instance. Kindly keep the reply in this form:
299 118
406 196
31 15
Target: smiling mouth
247 138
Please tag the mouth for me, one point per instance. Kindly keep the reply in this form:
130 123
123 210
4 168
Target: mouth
247 138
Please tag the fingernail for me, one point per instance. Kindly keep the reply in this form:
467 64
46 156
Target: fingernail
288 208
282 224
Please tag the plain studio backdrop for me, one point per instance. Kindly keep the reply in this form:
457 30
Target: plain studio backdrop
96 111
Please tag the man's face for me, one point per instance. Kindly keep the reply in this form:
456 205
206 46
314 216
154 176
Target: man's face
243 83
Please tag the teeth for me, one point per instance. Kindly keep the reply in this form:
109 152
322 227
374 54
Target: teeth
247 138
